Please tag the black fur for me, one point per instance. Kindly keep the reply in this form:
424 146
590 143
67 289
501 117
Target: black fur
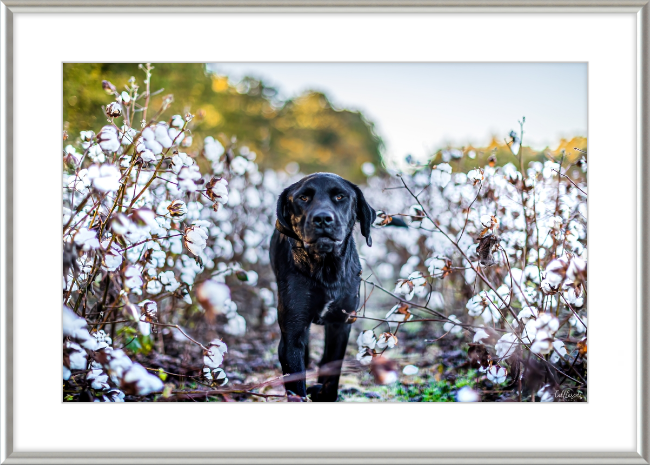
316 265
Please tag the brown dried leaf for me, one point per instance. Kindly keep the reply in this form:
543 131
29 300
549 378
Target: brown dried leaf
478 356
486 248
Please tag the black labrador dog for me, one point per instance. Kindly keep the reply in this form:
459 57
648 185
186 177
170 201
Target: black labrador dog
315 261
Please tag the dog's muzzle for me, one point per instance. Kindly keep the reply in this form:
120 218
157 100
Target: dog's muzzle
323 245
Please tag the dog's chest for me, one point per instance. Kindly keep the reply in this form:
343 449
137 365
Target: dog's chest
333 309
325 309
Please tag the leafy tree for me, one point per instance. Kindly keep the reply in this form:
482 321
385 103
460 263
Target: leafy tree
307 129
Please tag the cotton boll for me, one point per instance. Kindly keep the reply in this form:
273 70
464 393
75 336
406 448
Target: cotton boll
98 379
441 175
217 191
364 356
127 135
527 313
175 135
579 325
546 393
147 156
453 325
271 316
386 341
506 346
368 169
177 121
238 165
267 296
195 239
406 288
161 135
214 357
252 277
470 274
480 335
142 381
104 341
108 139
134 278
76 356
181 160
212 149
559 351
475 176
410 370
154 287
187 178
236 325
556 272
86 239
150 142
467 394
76 328
177 210
105 178
476 305
252 198
113 258
367 339
168 280
398 314
96 154
497 374
213 296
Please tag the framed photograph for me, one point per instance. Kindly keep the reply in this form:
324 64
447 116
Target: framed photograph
430 215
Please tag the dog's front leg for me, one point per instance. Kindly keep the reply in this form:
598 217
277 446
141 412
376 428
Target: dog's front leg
336 341
293 344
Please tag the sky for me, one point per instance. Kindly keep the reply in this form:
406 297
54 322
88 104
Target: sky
418 108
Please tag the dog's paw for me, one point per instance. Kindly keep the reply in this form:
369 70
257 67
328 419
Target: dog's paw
319 393
314 391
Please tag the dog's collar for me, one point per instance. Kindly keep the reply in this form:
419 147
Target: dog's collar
287 232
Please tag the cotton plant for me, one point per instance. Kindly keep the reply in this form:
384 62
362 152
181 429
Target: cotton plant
409 286
506 244
155 220
497 374
212 359
452 326
370 347
105 385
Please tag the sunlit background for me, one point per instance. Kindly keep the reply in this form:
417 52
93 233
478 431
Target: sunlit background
342 117
418 108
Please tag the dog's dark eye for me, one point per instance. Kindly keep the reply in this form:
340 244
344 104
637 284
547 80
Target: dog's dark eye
339 197
304 198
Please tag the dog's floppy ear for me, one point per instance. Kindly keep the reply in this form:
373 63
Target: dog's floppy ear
283 223
365 214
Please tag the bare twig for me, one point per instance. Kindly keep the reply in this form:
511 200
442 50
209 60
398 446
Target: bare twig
570 180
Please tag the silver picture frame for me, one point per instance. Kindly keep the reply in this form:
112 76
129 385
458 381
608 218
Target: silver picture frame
639 7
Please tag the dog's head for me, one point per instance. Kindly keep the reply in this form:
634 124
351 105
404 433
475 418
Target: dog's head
320 211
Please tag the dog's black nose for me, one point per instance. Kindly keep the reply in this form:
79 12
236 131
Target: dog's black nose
323 218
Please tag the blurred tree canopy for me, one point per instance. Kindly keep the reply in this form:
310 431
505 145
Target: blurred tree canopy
306 129
499 151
